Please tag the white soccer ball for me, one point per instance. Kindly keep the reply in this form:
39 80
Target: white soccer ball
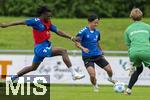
119 87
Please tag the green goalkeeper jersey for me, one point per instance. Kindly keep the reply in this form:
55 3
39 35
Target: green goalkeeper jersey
137 35
137 38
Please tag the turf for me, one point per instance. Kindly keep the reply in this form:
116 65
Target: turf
59 92
20 37
81 92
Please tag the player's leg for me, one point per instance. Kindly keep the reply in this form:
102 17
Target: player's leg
135 76
133 79
62 52
91 71
35 64
28 69
103 63
89 64
136 64
109 73
40 52
92 74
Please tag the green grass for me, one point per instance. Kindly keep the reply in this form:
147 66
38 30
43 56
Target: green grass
59 92
81 92
20 37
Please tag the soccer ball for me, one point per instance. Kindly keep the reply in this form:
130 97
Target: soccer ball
119 87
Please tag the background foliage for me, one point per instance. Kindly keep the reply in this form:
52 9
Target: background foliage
74 8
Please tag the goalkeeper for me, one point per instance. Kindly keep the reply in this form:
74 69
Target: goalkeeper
137 38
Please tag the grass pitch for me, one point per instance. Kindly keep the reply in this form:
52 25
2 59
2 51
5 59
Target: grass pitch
67 92
80 92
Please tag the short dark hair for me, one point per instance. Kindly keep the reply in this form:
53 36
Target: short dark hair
92 17
42 9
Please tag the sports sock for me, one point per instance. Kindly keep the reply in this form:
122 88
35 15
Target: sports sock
135 76
73 72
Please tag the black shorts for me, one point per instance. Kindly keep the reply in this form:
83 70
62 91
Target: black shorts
99 60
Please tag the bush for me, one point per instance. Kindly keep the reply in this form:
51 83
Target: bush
74 8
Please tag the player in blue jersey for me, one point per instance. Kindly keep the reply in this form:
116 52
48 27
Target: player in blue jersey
43 47
88 40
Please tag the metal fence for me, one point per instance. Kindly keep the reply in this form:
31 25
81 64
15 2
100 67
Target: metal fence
69 51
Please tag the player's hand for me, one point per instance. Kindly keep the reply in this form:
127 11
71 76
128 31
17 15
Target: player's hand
73 39
131 70
85 50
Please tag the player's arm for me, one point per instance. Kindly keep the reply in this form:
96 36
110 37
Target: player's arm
77 41
4 25
98 45
63 34
127 40
78 44
28 22
54 29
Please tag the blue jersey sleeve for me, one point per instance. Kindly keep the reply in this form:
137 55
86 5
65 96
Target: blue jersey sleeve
31 22
53 28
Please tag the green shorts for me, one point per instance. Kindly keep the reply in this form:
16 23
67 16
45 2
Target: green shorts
140 56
